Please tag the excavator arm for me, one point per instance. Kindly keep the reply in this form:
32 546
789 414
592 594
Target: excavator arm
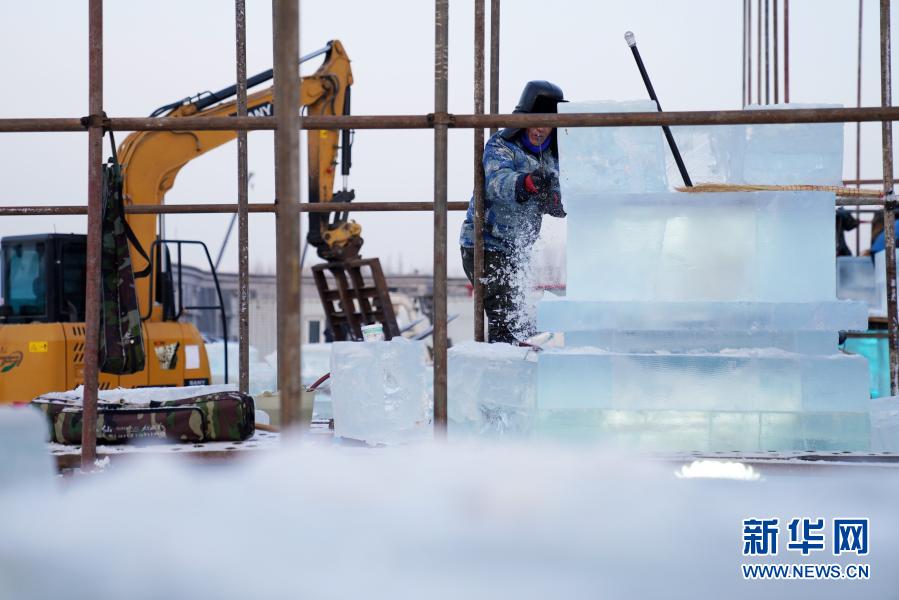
151 160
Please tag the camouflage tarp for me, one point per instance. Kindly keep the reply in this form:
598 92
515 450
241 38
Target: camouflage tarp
216 417
121 340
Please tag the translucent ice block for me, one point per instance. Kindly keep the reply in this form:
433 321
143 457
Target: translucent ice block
611 159
713 246
880 282
856 280
711 153
567 314
681 342
744 380
492 389
709 431
800 153
26 461
379 391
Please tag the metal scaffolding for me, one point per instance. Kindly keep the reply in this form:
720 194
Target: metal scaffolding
287 207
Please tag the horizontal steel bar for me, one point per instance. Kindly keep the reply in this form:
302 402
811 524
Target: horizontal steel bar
644 119
232 208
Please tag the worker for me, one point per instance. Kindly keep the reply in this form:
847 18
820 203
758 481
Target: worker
521 184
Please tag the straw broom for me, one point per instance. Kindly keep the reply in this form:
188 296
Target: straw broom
752 187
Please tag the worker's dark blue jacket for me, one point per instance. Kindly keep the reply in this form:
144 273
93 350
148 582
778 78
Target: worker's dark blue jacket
509 226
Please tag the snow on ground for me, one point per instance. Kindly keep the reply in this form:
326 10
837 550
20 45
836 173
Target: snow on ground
438 521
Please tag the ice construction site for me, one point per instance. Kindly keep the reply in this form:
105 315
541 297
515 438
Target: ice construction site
707 359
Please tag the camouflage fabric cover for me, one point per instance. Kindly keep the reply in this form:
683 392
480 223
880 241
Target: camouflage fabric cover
216 417
121 340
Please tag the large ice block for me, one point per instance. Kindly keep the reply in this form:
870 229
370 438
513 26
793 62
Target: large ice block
379 391
856 281
716 246
492 389
611 159
703 341
26 461
568 314
880 282
739 380
798 153
711 153
710 431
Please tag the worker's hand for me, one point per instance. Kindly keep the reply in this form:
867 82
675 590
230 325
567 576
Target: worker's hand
534 185
551 204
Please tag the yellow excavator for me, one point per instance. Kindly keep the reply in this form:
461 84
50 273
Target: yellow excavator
43 276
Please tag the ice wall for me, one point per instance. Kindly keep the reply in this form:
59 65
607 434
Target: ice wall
702 321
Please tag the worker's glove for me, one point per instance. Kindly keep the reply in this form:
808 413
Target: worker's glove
551 204
533 186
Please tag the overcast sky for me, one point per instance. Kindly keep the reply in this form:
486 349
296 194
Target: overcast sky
156 52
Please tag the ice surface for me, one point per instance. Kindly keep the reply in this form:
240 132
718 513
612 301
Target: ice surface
566 314
801 153
705 340
25 460
611 159
856 281
876 351
379 391
738 380
711 153
527 521
710 431
492 389
714 246
885 424
880 282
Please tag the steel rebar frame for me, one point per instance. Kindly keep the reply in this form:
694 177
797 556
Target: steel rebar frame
441 95
478 168
287 216
243 184
287 208
889 214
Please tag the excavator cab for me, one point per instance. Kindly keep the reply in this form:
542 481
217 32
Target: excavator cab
43 278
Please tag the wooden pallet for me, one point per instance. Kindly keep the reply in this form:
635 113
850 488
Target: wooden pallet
354 293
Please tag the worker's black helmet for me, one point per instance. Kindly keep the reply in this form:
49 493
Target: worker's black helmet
539 97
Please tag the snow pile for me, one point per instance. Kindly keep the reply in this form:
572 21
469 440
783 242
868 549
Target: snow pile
451 522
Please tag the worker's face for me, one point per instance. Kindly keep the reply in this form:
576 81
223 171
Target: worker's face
538 135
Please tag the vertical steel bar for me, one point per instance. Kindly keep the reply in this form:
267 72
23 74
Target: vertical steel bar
776 70
858 130
889 215
243 240
767 61
479 172
787 51
748 18
287 215
494 60
94 210
743 98
758 51
441 78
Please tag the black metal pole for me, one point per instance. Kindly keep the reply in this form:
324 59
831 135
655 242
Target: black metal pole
632 42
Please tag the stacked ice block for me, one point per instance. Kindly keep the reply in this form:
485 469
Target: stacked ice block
379 391
702 322
491 389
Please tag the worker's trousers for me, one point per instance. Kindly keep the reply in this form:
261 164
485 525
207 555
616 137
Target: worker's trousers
501 296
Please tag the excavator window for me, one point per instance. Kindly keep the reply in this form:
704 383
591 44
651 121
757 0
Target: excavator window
73 257
24 285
